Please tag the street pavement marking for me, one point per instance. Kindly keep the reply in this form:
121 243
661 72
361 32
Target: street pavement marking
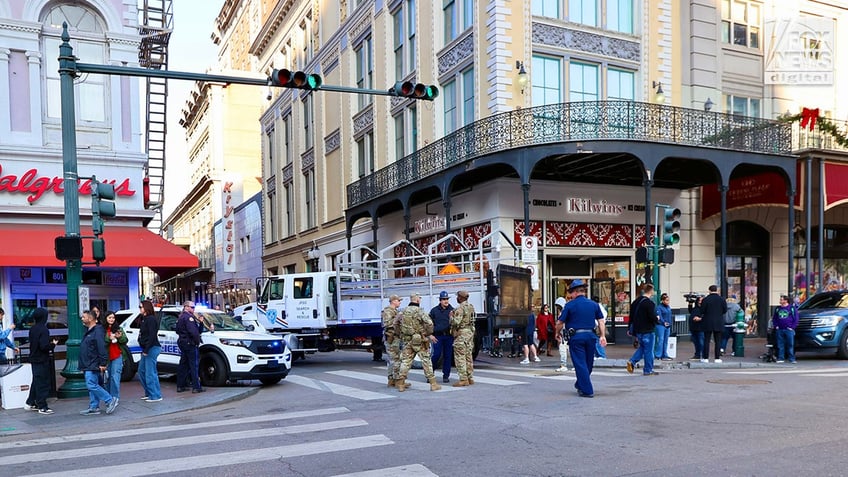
824 372
78 452
197 461
382 380
495 381
414 470
339 389
181 427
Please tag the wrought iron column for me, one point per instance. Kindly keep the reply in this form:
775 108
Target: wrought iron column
447 204
790 194
648 184
723 240
821 225
74 385
525 189
808 219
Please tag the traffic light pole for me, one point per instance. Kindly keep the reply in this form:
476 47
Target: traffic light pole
74 385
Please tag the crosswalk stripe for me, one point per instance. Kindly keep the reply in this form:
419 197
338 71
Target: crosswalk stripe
196 461
495 381
176 441
377 379
835 371
181 427
339 389
414 470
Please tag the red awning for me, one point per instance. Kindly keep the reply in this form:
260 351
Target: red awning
33 246
835 184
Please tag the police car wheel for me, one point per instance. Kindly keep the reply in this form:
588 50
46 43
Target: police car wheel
213 370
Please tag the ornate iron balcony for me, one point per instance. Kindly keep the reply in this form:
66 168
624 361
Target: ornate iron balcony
582 121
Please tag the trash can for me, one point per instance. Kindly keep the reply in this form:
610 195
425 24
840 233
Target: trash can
15 380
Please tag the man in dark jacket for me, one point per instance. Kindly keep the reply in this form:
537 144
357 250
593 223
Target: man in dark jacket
713 308
643 319
93 360
188 339
40 347
442 340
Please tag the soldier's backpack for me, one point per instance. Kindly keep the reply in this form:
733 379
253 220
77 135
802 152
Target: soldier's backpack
407 323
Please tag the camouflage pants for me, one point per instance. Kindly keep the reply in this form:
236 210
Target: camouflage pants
412 348
393 361
463 349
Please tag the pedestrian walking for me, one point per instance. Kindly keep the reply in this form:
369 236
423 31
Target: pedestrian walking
150 348
785 320
462 329
40 347
529 347
643 323
733 309
578 320
416 330
697 334
546 327
188 340
93 361
391 339
713 308
443 344
116 341
663 328
562 344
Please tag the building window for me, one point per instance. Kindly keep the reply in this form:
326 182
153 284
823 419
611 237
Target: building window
272 217
621 84
364 71
742 106
365 154
740 22
272 152
287 139
403 20
458 16
582 82
620 15
546 87
289 188
89 43
309 188
583 11
308 123
545 8
459 91
406 132
306 41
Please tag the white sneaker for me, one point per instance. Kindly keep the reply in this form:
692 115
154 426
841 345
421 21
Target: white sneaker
705 361
561 369
536 359
780 361
718 361
525 361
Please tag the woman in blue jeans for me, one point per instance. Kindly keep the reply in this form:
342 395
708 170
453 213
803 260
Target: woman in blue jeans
150 349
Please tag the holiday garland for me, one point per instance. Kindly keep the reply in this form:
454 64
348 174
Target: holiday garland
809 119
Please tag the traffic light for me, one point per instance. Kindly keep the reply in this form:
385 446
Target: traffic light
666 256
295 79
671 226
102 204
68 248
407 89
98 250
644 255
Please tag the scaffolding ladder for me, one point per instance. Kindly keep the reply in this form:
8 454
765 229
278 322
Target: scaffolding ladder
155 27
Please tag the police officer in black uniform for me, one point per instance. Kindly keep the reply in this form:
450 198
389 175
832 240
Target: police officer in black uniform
577 324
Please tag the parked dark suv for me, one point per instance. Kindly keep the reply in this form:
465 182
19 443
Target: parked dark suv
822 324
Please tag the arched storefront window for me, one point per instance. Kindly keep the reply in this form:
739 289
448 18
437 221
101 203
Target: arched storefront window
835 263
747 267
87 30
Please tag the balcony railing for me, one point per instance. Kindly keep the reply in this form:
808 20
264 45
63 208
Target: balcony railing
583 121
803 138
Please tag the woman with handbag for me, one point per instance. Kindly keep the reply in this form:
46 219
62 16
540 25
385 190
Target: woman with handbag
546 332
116 341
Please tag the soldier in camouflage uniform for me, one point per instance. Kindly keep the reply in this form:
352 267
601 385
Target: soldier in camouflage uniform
462 329
391 338
416 329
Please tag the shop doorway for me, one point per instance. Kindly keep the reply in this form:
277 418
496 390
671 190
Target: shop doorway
747 269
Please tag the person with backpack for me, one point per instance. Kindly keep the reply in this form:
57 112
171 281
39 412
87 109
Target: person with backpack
416 330
785 320
116 341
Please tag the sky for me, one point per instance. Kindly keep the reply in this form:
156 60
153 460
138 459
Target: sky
190 49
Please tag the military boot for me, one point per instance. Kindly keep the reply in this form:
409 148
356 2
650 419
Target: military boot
470 381
391 383
461 383
434 386
401 385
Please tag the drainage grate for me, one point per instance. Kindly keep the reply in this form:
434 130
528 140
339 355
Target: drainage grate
739 382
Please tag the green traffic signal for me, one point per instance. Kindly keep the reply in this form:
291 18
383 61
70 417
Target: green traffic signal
98 250
295 79
671 226
408 89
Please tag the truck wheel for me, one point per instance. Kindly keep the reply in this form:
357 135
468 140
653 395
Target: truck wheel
270 381
842 352
213 370
128 370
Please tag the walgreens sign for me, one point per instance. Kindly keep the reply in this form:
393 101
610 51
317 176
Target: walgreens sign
33 185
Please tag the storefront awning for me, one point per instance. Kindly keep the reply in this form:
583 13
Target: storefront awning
33 246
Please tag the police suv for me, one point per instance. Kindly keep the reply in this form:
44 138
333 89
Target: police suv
229 353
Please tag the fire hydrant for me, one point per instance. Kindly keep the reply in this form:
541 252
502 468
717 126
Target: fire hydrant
738 338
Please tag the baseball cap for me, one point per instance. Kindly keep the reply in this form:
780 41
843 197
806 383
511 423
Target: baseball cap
560 302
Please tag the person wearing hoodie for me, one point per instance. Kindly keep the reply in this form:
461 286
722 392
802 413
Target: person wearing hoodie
785 320
40 348
93 361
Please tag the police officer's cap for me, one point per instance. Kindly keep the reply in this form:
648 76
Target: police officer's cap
576 284
443 295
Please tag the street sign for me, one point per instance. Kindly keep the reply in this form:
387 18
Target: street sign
529 249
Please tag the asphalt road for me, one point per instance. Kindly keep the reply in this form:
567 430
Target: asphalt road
335 416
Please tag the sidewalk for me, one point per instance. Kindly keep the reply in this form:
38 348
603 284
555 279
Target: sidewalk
130 407
619 353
